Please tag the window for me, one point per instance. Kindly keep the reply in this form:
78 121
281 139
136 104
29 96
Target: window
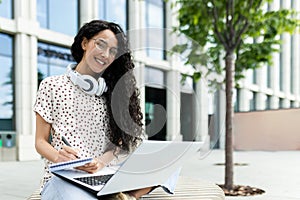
155 22
252 100
277 70
255 71
281 103
187 84
154 77
60 16
155 113
237 100
292 67
293 104
187 113
6 83
52 60
6 10
269 75
155 94
269 102
117 15
187 110
281 68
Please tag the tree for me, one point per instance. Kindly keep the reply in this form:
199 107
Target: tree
246 32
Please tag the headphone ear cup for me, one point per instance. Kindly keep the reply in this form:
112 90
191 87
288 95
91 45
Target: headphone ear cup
93 84
86 83
101 86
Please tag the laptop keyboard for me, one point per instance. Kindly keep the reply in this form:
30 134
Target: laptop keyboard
95 180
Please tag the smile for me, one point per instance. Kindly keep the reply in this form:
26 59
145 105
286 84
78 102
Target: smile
100 61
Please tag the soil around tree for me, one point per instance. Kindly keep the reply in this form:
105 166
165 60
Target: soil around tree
241 190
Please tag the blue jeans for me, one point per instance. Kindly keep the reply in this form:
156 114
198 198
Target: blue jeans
58 189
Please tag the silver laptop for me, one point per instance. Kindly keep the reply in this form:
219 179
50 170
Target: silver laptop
151 164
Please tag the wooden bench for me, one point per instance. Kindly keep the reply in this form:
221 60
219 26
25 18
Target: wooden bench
187 188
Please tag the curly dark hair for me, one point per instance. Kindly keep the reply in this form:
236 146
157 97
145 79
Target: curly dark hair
122 96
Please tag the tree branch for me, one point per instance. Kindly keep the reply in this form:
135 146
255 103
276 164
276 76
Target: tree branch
230 14
240 32
250 4
246 25
217 32
258 5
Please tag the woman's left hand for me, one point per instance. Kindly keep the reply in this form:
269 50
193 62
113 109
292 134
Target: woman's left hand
92 167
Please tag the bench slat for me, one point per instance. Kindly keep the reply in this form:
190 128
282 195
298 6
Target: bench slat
186 188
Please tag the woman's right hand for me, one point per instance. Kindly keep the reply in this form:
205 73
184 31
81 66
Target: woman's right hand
66 153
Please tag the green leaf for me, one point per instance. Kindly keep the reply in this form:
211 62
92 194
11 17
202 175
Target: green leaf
179 48
197 76
205 24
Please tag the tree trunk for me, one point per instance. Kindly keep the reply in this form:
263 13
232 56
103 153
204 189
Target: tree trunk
229 65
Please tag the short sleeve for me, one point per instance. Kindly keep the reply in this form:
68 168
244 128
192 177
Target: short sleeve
44 102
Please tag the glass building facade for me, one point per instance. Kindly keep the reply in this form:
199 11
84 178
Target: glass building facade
34 43
48 15
6 83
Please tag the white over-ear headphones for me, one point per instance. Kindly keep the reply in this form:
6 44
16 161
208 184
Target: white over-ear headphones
86 83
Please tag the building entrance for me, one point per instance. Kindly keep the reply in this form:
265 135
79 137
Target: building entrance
155 116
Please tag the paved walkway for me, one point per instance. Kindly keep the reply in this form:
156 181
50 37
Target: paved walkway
278 173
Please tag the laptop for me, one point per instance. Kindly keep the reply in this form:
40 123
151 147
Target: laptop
151 164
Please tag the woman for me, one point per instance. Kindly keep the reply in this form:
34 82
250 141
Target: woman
95 106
